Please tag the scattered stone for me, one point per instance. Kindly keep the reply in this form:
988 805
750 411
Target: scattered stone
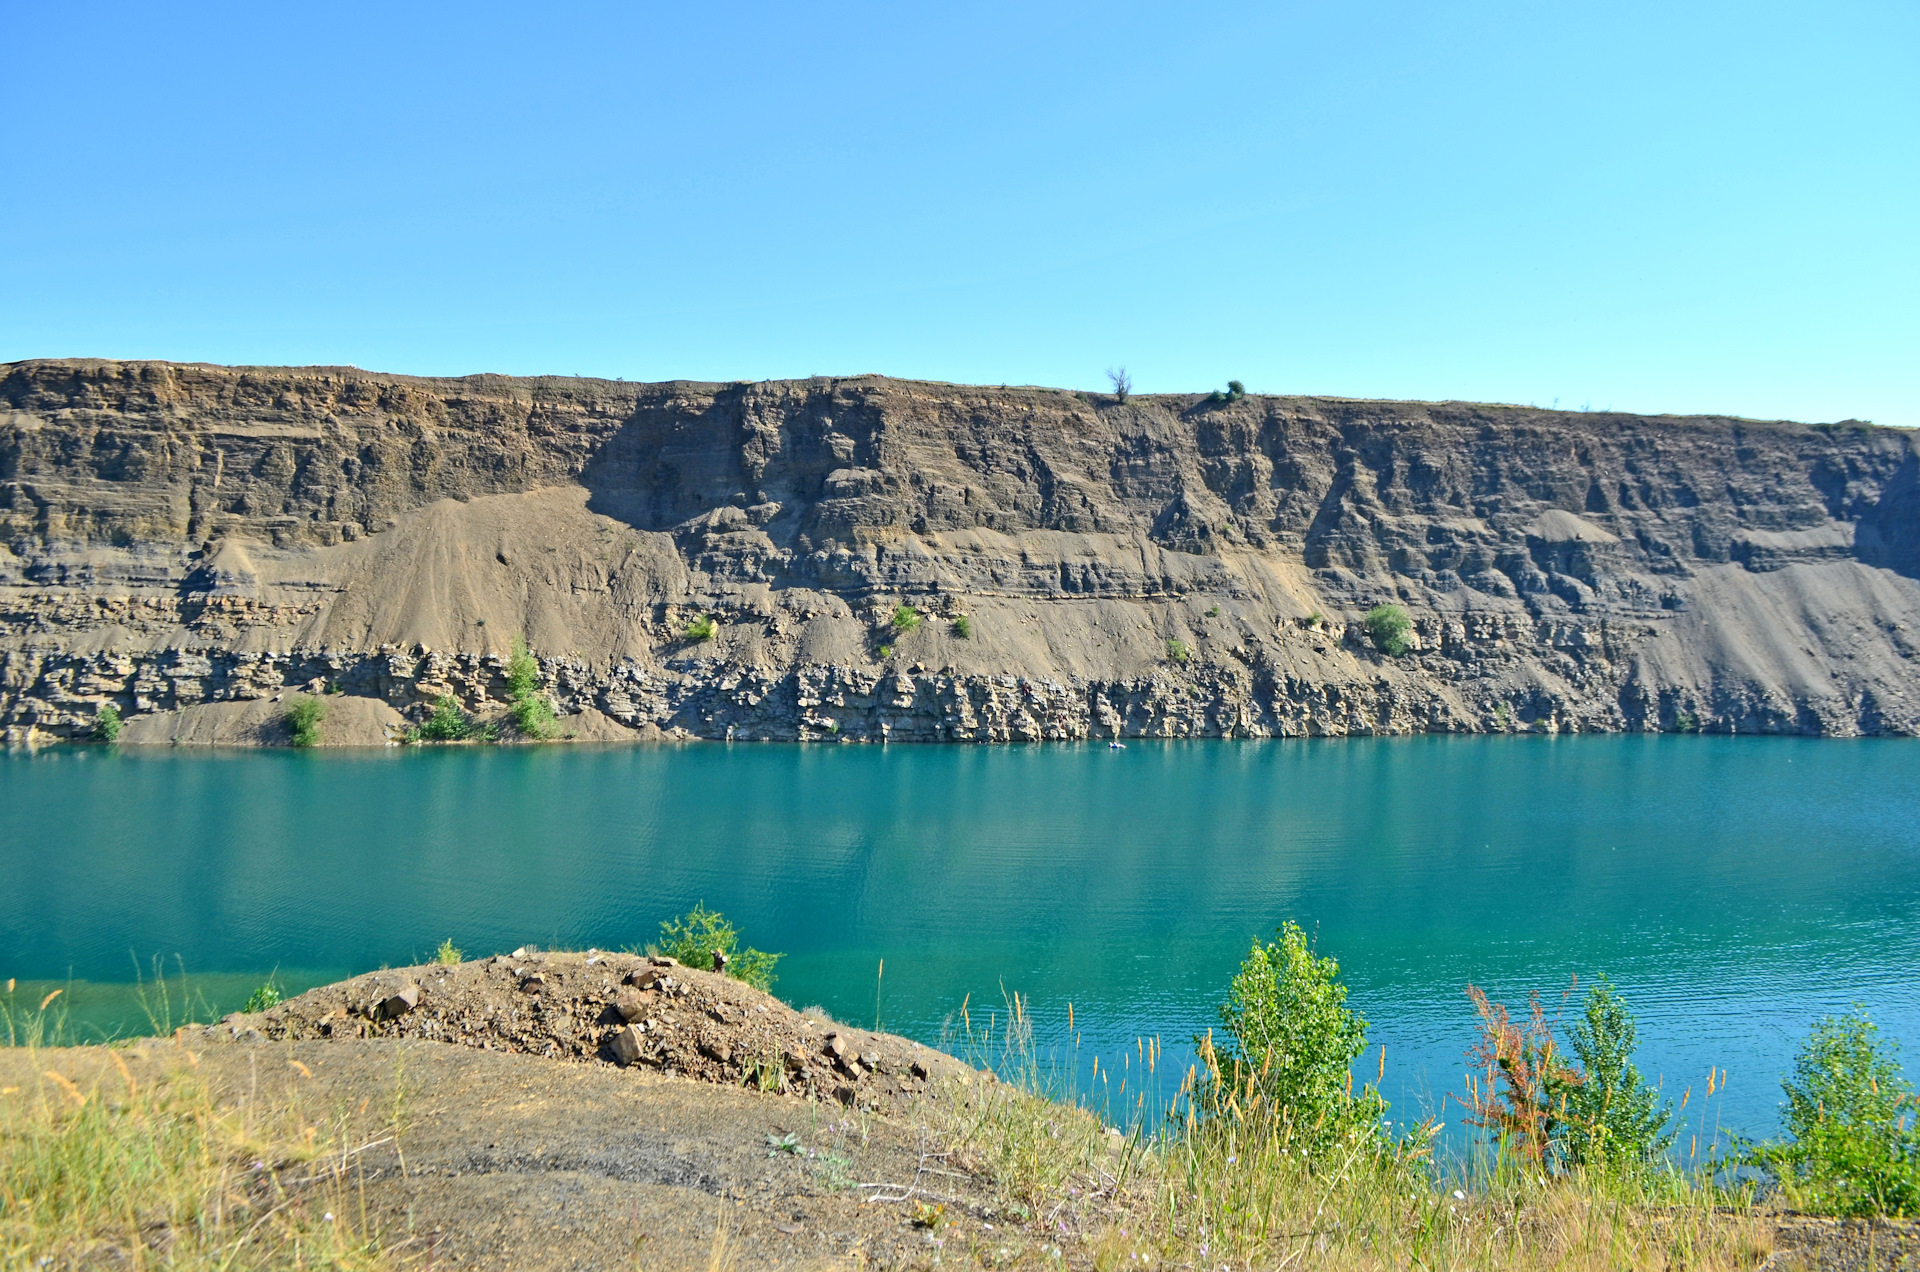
401 1001
646 977
918 1070
718 1052
526 951
627 1045
533 982
630 1004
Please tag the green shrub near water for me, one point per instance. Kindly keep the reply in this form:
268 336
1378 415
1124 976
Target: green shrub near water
692 939
1294 1041
1387 627
1854 1147
106 725
304 715
448 723
1608 1117
533 713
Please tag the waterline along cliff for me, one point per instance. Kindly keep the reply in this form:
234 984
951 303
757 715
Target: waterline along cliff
870 559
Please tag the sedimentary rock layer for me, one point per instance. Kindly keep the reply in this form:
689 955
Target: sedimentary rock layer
188 542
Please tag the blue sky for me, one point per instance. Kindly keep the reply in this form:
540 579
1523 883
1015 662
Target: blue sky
1681 207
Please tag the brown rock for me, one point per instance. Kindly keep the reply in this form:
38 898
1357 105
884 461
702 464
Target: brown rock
630 1004
717 1051
645 978
401 1001
918 1070
627 1044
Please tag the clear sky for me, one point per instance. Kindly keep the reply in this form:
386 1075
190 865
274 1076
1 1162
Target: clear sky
1650 206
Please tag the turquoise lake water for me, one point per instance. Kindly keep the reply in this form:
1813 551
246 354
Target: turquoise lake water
1734 888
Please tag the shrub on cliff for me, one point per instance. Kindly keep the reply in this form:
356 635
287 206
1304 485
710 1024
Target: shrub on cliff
448 723
701 629
1177 650
1387 627
106 725
905 619
694 937
963 627
533 713
304 715
1855 1149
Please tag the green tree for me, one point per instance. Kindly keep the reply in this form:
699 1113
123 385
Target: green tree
1387 627
532 711
693 938
1854 1147
1295 1040
106 725
1605 1115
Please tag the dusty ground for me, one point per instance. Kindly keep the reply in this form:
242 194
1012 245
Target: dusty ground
512 1161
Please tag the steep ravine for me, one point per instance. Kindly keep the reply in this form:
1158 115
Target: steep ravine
188 542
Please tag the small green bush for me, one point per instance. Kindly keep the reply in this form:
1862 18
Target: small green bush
905 619
304 715
1177 650
448 954
886 651
264 998
533 713
1606 1116
1214 612
448 723
1294 1041
702 629
523 672
1316 619
1387 626
1236 390
963 627
692 939
106 725
1854 1150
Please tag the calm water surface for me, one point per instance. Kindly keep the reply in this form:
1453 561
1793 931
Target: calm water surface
1734 888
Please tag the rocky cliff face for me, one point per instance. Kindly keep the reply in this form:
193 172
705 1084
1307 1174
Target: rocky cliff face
187 542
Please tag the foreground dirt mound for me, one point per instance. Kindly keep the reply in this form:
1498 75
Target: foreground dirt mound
625 1010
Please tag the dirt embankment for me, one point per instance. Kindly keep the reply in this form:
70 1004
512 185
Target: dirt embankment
193 540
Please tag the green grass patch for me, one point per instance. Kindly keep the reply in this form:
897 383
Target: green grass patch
304 716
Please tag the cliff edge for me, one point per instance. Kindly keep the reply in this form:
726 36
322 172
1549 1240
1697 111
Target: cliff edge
188 542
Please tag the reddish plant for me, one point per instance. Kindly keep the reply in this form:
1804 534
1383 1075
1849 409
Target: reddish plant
1519 1065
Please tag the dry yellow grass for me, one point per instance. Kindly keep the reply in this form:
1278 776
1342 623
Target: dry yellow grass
133 1158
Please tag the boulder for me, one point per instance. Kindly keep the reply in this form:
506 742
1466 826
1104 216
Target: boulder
626 1044
404 998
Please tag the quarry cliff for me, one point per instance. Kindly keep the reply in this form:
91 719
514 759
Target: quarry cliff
192 543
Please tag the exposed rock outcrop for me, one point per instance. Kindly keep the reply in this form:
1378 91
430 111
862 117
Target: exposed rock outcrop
177 536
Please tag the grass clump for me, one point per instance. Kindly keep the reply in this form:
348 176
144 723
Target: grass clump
963 627
265 998
532 711
1387 626
905 619
1177 650
694 937
701 629
107 724
448 954
1854 1148
147 1162
304 715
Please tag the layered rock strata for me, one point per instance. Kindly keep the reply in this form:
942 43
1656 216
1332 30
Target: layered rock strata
182 539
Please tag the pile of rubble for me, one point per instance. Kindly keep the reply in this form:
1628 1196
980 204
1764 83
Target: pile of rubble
631 1010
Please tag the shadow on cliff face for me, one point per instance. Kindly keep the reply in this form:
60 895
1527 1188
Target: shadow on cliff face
1888 533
